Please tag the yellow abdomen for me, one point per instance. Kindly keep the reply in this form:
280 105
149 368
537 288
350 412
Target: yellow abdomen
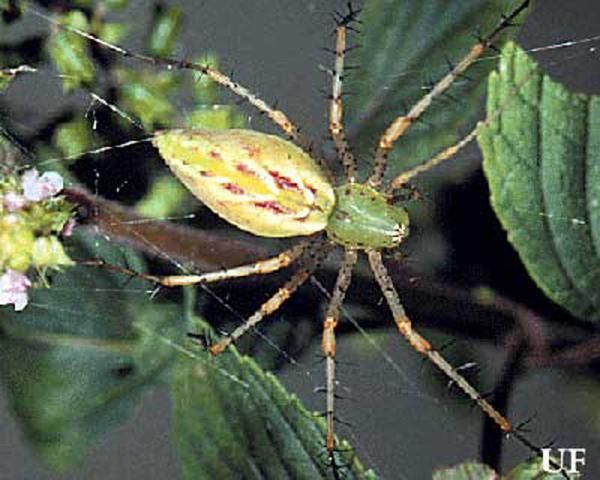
258 182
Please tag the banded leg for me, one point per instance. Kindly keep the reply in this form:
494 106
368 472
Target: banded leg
401 124
262 267
446 154
277 116
318 254
328 343
336 127
421 345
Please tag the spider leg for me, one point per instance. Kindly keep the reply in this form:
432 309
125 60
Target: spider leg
336 127
262 267
401 124
446 154
277 116
421 345
316 255
328 343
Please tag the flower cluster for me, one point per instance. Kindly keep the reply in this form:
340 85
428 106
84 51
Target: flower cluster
33 215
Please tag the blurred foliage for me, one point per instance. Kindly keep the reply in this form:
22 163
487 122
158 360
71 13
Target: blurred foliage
73 368
164 30
69 51
166 196
73 138
531 470
466 471
5 79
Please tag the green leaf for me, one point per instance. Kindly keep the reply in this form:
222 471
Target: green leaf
5 80
532 470
76 360
404 46
167 196
69 52
164 30
466 471
73 138
232 420
147 95
541 150
112 32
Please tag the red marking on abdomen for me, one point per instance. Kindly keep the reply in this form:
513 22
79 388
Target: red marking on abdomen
274 207
252 150
215 154
283 181
233 188
243 168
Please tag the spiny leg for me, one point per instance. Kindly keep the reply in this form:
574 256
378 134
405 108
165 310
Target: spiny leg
420 344
328 343
446 154
401 124
261 267
277 116
336 126
424 347
317 255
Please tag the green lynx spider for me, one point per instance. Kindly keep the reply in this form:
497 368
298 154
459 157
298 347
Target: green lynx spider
361 217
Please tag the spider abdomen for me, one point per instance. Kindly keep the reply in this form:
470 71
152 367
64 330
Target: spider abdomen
258 182
364 219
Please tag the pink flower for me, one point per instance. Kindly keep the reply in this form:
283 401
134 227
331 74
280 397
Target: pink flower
13 289
13 201
36 187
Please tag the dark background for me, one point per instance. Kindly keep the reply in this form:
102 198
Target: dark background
275 48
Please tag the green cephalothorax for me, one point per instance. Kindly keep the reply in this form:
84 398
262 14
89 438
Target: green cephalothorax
363 218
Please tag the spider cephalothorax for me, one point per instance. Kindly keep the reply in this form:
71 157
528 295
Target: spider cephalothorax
363 218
